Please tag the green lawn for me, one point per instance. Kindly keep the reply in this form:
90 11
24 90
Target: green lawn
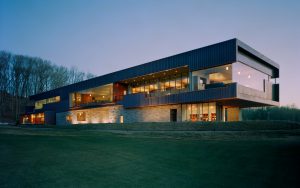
95 158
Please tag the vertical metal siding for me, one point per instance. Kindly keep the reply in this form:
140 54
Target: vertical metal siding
140 99
210 56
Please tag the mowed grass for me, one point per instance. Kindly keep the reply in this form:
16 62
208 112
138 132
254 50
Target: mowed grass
93 158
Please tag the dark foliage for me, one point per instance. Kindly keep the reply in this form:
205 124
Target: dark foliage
22 76
289 113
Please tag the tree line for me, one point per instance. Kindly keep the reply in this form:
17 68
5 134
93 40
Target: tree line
22 76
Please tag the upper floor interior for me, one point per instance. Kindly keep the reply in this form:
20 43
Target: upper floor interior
209 67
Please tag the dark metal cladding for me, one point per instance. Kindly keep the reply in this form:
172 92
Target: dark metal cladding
141 100
210 56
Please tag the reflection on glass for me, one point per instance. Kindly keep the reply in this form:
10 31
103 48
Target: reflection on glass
217 75
102 94
174 84
249 77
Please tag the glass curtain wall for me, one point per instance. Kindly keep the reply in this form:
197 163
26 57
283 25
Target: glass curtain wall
199 112
212 77
248 76
102 94
166 85
39 104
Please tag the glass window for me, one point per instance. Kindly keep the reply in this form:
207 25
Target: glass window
184 113
167 84
221 74
205 110
212 112
81 116
39 104
185 81
249 77
172 83
189 111
147 88
101 94
194 113
178 82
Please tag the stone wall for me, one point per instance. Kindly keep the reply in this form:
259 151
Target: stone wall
150 114
112 115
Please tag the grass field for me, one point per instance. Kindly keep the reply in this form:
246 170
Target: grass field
100 158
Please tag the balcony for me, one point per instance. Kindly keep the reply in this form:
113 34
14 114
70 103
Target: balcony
217 92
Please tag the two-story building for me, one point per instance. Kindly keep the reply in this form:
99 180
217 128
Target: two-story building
207 84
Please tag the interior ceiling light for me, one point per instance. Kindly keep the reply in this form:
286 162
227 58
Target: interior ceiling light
239 73
227 68
249 76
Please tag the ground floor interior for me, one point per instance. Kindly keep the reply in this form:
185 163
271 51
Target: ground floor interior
211 111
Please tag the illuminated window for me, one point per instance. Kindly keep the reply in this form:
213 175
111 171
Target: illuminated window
69 118
39 104
81 116
121 119
248 76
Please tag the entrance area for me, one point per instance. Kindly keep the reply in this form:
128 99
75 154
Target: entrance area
173 115
231 113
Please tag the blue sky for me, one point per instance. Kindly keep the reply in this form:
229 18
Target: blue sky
105 36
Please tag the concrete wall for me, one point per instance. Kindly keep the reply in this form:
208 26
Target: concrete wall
112 115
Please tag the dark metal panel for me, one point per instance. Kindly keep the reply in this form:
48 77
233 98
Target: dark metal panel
141 100
210 56
50 117
249 55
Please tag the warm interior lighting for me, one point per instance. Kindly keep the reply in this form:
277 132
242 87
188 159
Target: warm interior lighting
227 68
90 95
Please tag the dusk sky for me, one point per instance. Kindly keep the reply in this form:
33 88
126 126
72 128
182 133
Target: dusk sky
105 36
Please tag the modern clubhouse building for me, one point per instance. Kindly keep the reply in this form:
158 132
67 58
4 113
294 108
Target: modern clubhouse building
207 84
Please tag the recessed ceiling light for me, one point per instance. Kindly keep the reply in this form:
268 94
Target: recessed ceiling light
227 68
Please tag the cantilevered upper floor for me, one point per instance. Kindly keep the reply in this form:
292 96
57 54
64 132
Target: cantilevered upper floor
230 72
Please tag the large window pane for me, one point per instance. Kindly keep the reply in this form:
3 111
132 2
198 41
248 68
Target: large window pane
212 112
249 77
205 112
216 75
